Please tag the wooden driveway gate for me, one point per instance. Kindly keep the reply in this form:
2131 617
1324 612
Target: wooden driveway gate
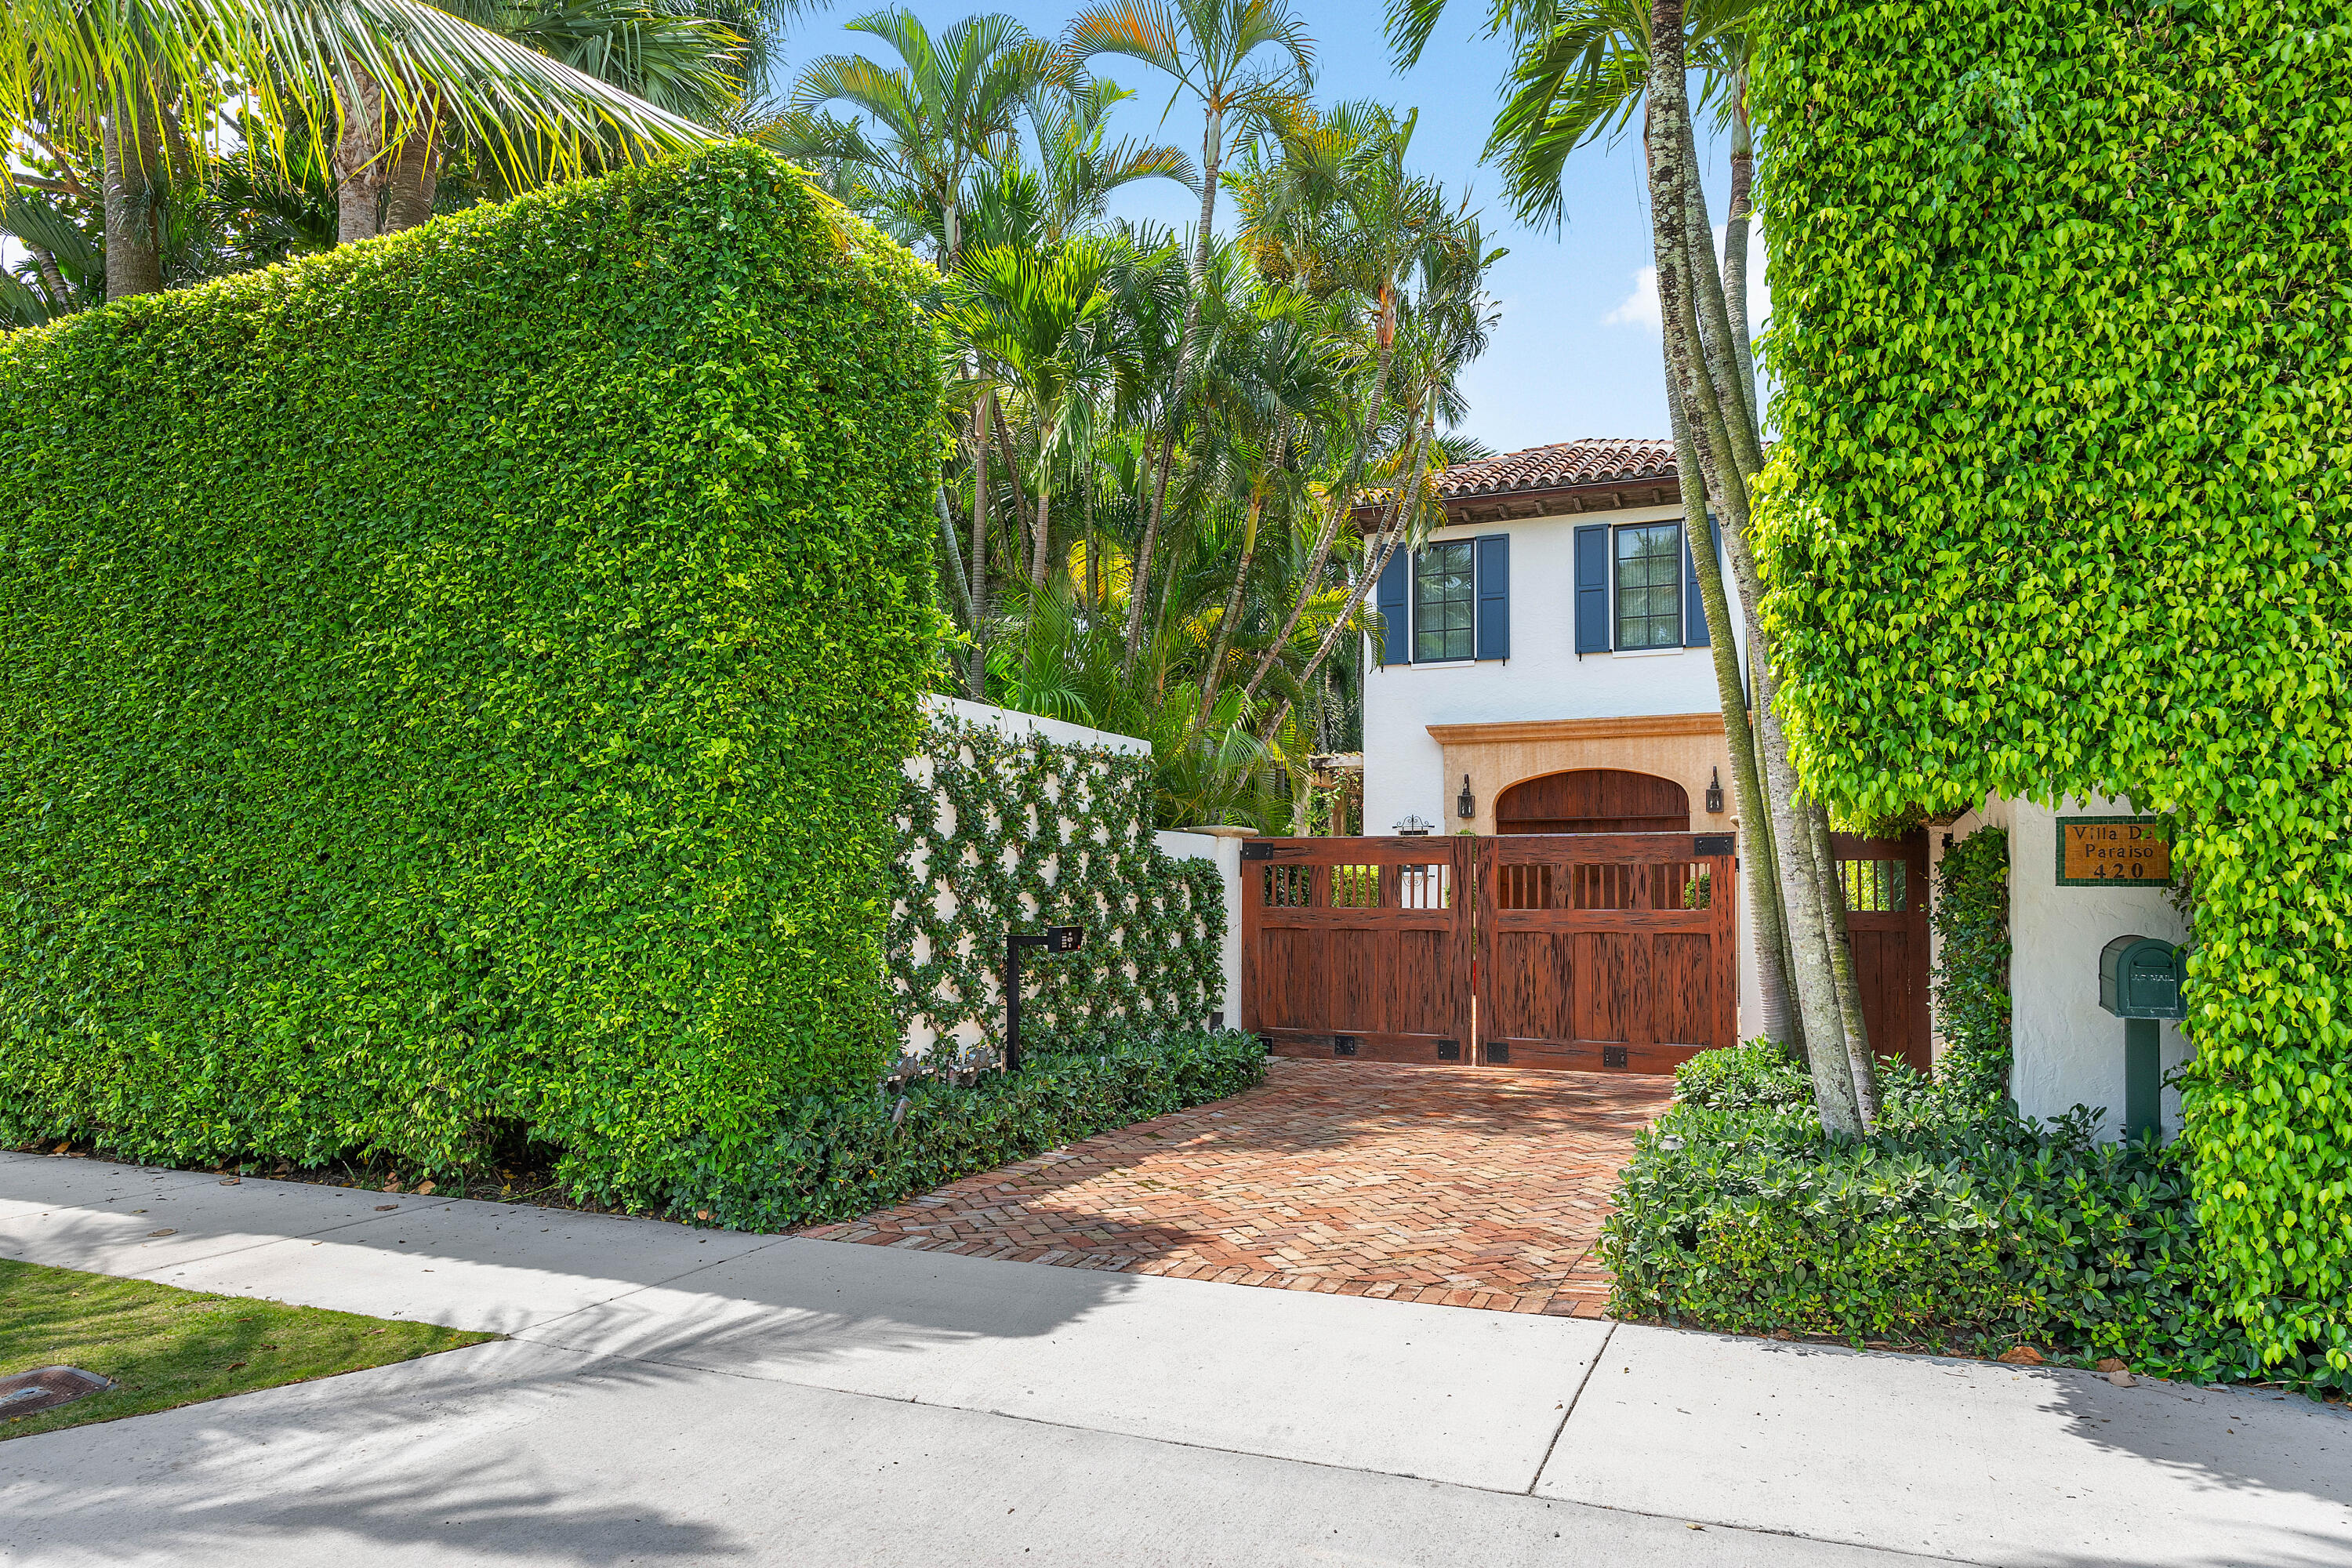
1603 951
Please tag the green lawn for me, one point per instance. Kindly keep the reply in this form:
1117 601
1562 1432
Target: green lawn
165 1347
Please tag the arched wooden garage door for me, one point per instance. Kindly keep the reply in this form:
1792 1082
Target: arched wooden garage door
1593 800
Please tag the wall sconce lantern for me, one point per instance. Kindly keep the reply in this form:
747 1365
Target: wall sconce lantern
1714 789
1414 828
1464 804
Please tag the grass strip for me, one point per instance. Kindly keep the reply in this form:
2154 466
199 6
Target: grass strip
165 1347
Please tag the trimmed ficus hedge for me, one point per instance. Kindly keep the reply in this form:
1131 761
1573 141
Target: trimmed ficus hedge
2061 293
455 688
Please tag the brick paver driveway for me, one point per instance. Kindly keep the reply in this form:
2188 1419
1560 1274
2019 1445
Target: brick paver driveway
1471 1186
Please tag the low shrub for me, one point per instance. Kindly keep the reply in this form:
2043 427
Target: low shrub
1956 1226
833 1157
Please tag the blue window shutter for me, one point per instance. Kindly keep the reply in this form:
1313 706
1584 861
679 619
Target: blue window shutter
1494 557
1396 635
1593 589
1694 607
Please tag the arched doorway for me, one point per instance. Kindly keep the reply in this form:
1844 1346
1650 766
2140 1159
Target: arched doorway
1593 800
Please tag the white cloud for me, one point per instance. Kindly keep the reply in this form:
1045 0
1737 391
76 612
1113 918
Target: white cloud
1640 307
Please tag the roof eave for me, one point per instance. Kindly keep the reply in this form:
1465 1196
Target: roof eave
1551 501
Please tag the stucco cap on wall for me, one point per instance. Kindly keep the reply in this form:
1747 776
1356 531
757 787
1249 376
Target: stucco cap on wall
1224 830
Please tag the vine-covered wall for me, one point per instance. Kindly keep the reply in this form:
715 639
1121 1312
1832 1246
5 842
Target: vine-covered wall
1004 832
2059 499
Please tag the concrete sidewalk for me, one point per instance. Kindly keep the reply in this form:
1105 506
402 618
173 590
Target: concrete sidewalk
681 1396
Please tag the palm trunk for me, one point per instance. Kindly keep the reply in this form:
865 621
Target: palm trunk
1423 440
1770 931
1704 387
1735 233
978 680
1042 560
1854 1027
415 176
952 555
1241 579
1011 456
1213 148
357 165
1345 503
53 282
133 161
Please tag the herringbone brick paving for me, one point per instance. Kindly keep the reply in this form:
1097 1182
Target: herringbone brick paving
1469 1186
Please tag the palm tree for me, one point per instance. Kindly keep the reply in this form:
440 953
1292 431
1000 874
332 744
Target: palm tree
130 76
1042 320
952 106
1071 122
1209 48
1582 66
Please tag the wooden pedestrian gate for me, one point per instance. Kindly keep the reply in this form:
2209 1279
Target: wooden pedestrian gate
1606 951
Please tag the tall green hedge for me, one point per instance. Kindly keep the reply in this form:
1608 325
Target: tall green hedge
2062 295
455 687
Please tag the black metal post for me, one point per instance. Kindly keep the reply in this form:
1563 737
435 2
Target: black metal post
1053 939
1013 946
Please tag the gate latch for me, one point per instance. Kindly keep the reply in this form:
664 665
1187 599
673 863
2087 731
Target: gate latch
1706 843
1257 851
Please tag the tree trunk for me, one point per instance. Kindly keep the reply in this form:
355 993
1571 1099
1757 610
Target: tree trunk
132 154
1735 233
414 175
1212 150
1770 934
358 163
1390 537
1704 385
1215 677
1312 577
53 282
959 589
1855 1028
978 680
1006 449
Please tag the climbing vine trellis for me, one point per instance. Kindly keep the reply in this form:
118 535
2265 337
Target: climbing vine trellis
998 833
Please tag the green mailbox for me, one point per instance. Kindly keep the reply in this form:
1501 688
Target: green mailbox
2139 977
2139 982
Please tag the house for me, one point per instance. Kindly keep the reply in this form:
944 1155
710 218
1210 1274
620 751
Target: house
1545 651
1544 664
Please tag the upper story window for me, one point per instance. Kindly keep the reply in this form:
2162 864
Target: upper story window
1444 605
1447 602
1649 569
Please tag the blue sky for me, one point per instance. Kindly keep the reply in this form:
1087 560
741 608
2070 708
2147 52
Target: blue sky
1577 352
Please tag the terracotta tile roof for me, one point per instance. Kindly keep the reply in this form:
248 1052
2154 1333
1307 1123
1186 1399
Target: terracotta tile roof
1559 466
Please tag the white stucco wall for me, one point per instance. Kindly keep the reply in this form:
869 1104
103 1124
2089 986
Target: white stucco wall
2067 1049
1226 852
1005 721
1543 679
